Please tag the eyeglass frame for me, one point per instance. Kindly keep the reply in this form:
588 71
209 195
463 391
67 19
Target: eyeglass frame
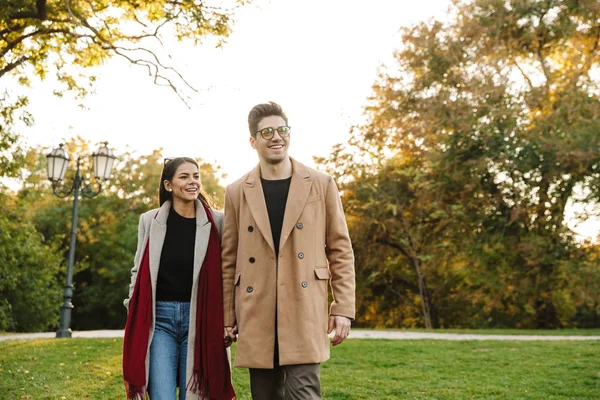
273 132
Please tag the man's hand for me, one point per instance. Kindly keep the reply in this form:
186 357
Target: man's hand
230 335
342 328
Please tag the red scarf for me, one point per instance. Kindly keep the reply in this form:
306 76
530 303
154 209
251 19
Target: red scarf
211 377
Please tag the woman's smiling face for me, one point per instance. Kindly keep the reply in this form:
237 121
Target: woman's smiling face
185 185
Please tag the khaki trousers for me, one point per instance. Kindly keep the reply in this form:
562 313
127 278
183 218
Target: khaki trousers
286 382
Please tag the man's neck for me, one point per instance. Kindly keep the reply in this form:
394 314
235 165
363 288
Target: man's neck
282 170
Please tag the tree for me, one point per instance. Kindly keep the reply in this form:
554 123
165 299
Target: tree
498 110
29 287
63 38
11 152
404 229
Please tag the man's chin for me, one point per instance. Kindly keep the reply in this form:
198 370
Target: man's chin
277 160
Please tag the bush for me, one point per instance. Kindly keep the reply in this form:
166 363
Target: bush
30 293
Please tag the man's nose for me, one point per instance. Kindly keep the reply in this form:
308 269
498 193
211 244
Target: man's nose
276 133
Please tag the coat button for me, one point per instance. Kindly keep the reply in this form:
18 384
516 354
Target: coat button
299 225
304 284
300 255
252 260
249 289
250 228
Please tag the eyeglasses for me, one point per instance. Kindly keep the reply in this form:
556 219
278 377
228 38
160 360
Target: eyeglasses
268 133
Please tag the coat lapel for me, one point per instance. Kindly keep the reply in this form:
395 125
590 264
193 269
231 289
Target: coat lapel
297 196
158 231
203 226
255 199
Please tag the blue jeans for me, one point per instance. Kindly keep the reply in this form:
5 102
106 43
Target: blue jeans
168 350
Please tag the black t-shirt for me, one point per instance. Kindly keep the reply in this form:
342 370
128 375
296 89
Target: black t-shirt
276 193
176 271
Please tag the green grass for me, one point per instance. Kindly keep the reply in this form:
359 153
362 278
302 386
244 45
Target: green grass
359 369
542 332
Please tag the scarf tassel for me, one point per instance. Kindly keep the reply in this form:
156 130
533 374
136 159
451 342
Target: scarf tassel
136 392
197 385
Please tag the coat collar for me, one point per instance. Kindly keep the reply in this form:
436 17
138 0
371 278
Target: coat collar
163 213
297 196
298 169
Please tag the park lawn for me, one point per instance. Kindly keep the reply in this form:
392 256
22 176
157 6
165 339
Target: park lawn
499 331
525 332
359 369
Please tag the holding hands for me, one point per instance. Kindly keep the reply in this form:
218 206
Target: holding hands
229 335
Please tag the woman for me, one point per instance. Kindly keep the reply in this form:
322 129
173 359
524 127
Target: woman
174 331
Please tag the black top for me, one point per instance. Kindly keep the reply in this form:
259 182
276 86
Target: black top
276 193
176 271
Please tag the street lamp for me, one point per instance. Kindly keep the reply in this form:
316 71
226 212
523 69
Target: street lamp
57 166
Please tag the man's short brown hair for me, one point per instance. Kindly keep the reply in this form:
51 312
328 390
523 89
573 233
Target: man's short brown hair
261 111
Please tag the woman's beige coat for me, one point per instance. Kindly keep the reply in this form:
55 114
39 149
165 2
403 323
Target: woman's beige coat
156 229
314 252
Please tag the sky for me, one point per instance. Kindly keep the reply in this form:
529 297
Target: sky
318 59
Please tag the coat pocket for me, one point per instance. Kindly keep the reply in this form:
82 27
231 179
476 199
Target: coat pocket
236 279
322 272
312 199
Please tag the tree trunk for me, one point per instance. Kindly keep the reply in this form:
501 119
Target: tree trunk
424 293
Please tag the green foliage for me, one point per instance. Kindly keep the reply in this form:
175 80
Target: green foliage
29 289
11 149
107 225
35 36
459 179
66 38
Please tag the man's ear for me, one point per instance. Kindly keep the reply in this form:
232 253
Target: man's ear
252 142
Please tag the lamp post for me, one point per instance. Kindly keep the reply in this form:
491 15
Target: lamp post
57 166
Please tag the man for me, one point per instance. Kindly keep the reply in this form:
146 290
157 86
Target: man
284 240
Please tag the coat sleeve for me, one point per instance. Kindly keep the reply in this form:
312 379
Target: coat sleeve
339 254
138 255
218 218
229 245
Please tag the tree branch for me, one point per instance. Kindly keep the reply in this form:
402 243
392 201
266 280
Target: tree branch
14 43
590 59
11 29
157 61
411 244
153 70
150 65
525 76
386 242
406 284
94 9
41 13
9 67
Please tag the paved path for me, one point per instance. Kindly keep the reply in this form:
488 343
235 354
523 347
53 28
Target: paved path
355 334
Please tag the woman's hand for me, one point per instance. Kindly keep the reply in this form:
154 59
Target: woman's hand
229 335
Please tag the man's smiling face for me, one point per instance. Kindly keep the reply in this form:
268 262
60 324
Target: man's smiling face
274 150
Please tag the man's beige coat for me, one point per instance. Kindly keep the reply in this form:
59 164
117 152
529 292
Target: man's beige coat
314 250
153 225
